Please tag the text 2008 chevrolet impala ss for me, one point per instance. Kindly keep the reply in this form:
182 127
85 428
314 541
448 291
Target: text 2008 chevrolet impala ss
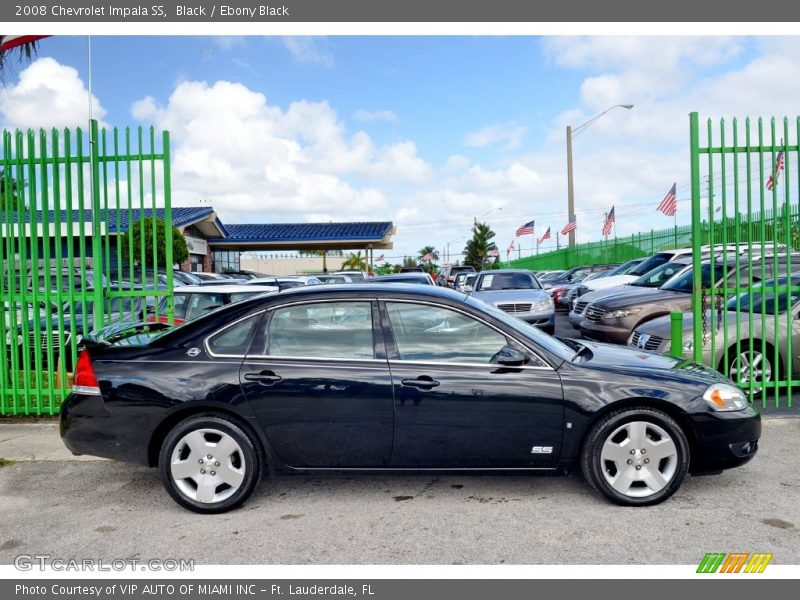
365 377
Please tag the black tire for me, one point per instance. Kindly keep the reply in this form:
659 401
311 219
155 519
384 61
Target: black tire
775 371
658 428
243 461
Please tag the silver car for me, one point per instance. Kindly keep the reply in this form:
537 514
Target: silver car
741 355
519 293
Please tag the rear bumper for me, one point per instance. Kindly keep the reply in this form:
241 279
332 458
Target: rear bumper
723 440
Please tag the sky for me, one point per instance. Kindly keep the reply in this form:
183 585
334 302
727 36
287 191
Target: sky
427 132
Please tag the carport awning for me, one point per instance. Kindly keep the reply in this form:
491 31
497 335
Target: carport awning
306 236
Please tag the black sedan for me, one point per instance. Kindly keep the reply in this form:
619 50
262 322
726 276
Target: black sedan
380 376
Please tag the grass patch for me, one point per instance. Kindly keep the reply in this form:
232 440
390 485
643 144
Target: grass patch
4 462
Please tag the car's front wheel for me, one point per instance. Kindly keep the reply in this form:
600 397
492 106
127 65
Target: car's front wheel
636 456
209 464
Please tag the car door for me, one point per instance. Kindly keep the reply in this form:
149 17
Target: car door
454 407
319 383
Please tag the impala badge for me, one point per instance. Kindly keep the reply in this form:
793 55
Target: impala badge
542 450
192 352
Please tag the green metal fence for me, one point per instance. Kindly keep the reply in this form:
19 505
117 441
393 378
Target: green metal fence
745 191
66 199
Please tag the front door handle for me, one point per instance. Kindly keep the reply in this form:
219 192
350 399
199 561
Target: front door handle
264 377
423 382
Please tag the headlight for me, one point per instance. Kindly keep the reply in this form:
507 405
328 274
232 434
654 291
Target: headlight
724 397
544 305
618 314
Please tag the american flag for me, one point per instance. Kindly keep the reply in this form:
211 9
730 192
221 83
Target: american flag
526 229
492 252
428 257
510 248
546 236
12 41
380 259
778 168
669 205
608 223
572 225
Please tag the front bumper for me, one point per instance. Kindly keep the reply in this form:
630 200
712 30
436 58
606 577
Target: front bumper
723 440
600 331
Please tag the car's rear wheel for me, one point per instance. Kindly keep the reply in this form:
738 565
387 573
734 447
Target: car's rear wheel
749 364
636 456
209 464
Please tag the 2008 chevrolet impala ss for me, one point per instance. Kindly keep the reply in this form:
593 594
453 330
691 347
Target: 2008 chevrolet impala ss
394 377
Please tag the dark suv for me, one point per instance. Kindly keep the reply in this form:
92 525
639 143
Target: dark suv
447 275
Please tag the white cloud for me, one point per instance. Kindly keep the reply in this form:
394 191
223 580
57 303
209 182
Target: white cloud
508 134
228 42
48 94
368 116
309 50
258 162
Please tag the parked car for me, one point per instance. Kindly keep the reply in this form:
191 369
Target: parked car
284 282
277 382
460 280
217 278
745 350
331 279
447 276
556 287
407 277
519 293
353 274
245 274
151 277
573 291
190 301
653 279
614 318
469 283
412 270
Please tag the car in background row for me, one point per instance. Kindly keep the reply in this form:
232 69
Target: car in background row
284 282
571 292
556 287
519 293
360 377
354 274
613 318
653 279
447 276
744 350
407 277
191 302
329 279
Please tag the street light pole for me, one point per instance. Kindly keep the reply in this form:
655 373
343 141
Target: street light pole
572 133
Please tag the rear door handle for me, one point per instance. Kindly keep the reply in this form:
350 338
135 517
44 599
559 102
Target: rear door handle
264 377
424 383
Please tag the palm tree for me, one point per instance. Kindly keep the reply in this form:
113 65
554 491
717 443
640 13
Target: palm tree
355 261
26 51
426 251
478 248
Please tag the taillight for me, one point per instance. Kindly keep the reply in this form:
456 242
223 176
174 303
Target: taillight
84 380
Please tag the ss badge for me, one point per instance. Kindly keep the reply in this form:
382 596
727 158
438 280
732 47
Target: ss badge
542 450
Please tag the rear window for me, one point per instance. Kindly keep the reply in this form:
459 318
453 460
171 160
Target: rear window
507 281
651 263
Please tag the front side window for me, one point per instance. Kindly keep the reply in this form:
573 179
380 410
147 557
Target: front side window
234 339
322 330
436 334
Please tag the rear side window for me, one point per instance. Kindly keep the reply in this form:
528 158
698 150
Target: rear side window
234 339
322 330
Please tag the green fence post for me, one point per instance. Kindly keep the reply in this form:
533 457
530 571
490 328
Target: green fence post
97 240
694 144
676 334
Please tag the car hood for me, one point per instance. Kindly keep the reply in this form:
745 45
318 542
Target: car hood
651 296
607 282
495 296
624 290
632 360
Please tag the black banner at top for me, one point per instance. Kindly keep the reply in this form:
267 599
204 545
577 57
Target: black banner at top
438 11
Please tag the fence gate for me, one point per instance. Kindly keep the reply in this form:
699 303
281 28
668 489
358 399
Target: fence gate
65 202
745 191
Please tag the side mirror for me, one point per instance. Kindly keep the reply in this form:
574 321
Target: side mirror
511 357
467 289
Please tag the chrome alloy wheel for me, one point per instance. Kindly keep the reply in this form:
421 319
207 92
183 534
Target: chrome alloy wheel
207 465
639 459
745 370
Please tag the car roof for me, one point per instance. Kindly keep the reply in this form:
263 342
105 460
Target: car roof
369 289
493 271
224 289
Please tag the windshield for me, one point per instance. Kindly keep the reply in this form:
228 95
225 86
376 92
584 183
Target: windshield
684 282
758 302
651 263
660 275
507 281
529 331
625 268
